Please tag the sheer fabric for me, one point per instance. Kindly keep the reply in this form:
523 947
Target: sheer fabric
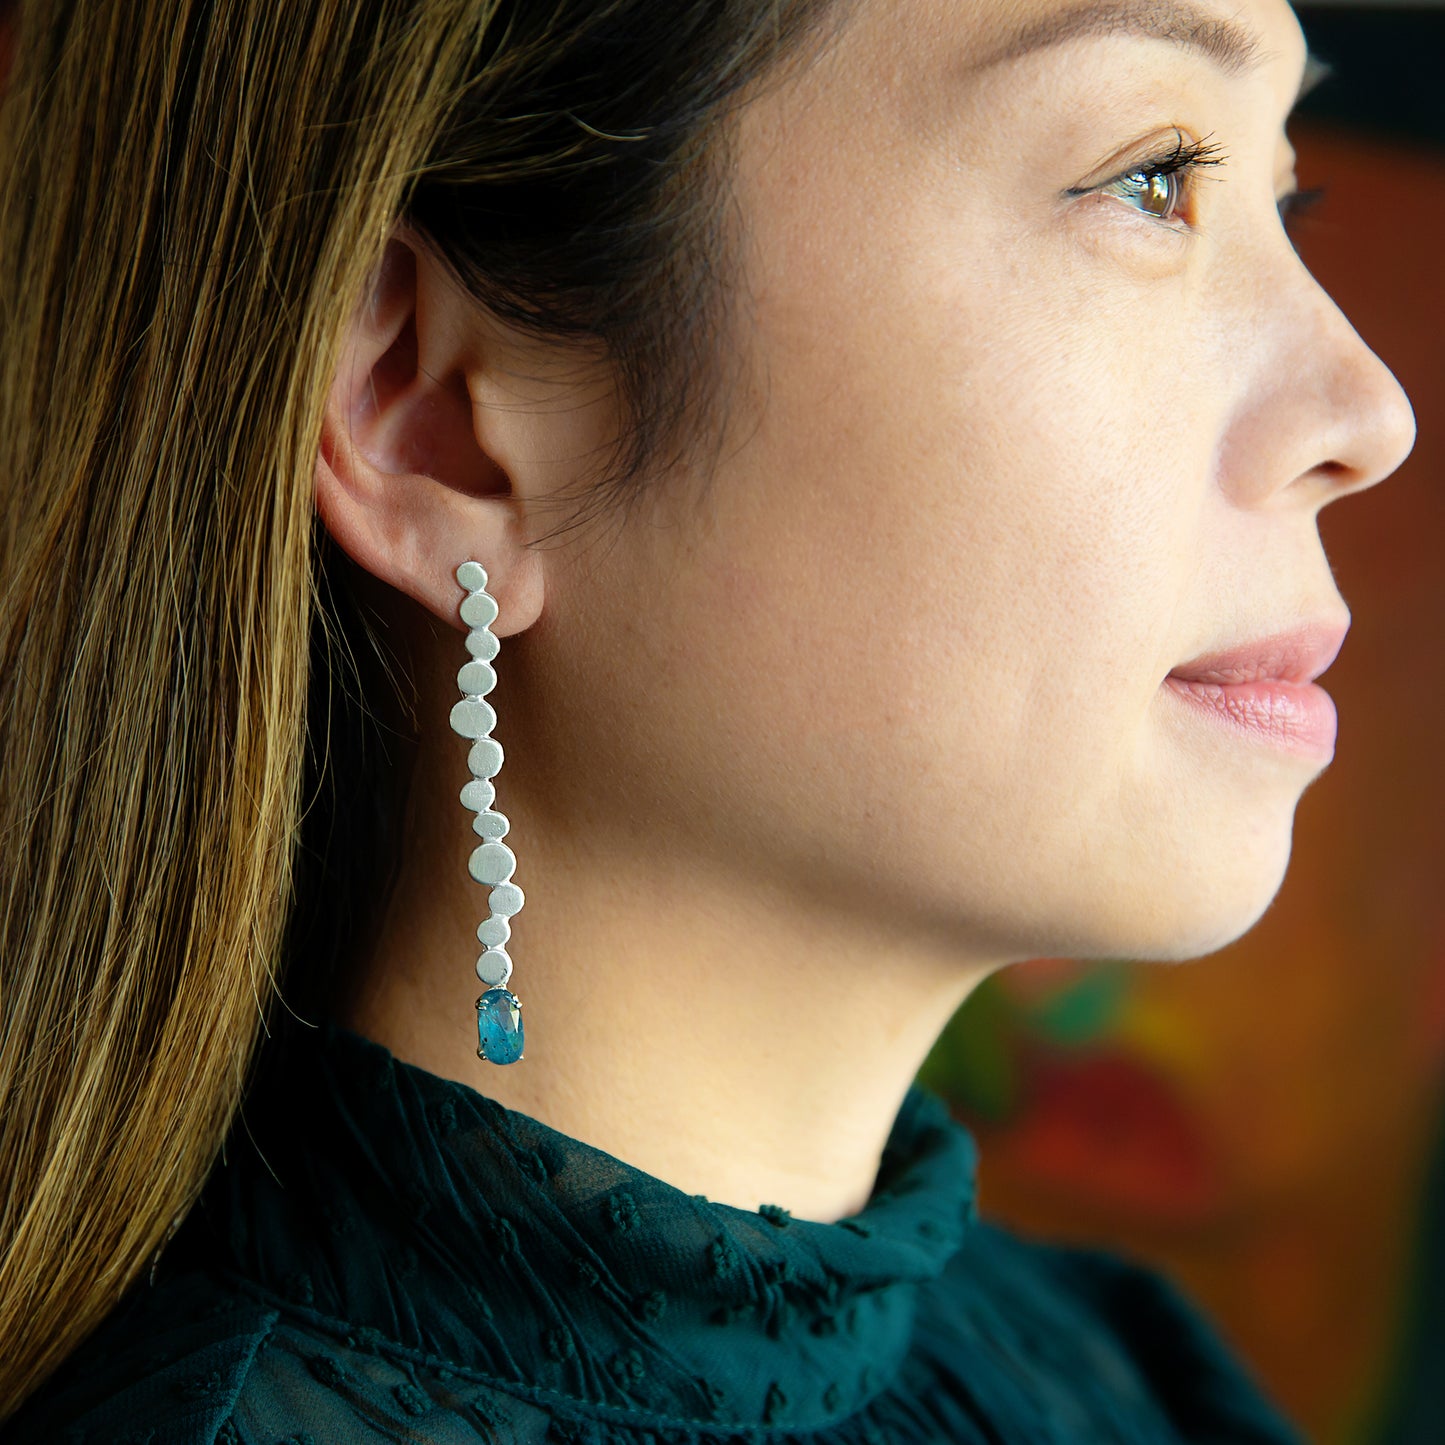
384 1255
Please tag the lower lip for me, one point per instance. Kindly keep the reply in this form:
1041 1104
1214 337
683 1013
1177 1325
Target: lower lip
1297 717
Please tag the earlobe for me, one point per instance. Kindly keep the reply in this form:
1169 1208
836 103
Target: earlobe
402 483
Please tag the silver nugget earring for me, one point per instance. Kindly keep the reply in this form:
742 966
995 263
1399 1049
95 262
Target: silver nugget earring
499 1012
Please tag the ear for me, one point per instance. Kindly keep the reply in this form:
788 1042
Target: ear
404 483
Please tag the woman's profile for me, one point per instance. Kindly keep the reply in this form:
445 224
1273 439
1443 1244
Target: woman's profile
577 573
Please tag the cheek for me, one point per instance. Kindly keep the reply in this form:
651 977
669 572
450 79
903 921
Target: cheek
975 510
941 578
913 640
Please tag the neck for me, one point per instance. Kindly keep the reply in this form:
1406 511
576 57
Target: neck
720 1031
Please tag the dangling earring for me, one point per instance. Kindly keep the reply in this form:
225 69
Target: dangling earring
499 1012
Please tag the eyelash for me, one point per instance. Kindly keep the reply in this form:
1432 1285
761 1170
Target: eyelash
1178 168
1185 161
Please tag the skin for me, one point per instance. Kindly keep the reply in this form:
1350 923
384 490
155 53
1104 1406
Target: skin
798 759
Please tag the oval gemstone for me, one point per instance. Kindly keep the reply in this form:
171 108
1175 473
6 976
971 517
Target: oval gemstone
499 1027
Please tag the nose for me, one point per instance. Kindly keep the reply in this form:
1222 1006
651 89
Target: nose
1372 428
1328 417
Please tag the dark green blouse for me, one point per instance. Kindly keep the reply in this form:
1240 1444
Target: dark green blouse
384 1255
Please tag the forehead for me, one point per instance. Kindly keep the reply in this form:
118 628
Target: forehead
1233 44
1240 37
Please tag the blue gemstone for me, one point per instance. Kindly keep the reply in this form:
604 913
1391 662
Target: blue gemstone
499 1026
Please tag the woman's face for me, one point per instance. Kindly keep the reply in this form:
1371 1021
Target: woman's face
1025 430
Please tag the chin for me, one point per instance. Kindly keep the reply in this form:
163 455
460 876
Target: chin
1216 916
1196 904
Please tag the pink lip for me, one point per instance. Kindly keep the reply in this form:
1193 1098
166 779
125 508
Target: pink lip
1299 655
1266 688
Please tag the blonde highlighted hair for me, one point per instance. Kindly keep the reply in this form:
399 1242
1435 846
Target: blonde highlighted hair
193 194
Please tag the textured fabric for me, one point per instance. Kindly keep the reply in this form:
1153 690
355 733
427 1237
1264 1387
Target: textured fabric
383 1255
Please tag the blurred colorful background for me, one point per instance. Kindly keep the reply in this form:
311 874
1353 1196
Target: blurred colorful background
1267 1125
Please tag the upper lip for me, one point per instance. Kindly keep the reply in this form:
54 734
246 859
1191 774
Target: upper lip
1299 654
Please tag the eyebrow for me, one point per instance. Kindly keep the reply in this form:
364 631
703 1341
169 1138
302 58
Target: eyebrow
1228 44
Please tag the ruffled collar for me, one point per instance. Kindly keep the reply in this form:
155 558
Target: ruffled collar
411 1211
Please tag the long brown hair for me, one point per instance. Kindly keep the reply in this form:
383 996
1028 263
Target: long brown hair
193 195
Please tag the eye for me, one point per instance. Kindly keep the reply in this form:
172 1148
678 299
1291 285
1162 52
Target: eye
1162 186
1156 192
